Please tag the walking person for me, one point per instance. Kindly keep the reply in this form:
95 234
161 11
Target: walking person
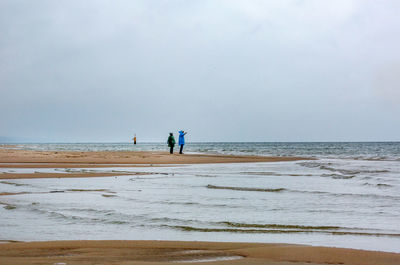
181 140
171 143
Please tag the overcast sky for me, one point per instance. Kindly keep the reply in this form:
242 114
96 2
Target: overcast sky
223 70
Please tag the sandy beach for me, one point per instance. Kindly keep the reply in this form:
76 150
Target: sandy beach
167 252
125 157
11 158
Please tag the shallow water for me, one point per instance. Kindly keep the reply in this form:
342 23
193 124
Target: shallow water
330 202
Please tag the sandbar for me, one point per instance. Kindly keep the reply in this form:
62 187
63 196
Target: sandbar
32 159
65 175
14 158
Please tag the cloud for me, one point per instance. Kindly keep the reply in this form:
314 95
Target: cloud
251 70
387 83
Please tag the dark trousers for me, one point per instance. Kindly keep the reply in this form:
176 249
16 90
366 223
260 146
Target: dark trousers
171 149
180 151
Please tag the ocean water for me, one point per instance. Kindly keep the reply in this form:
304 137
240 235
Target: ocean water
353 150
349 196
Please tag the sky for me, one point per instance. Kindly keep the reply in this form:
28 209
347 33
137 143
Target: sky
223 70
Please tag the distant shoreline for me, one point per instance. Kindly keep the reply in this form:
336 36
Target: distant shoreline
8 143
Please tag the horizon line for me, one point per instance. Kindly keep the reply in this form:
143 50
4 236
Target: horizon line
194 142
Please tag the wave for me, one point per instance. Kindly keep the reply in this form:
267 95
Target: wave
198 204
343 171
278 231
244 188
383 158
278 190
329 166
183 203
383 185
91 210
15 184
108 195
232 224
366 195
84 190
276 174
205 176
90 190
338 176
379 185
165 221
104 218
9 206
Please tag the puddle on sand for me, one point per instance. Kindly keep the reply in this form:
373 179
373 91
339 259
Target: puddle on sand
195 256
209 259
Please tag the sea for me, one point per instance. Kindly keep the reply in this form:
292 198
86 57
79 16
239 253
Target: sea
346 195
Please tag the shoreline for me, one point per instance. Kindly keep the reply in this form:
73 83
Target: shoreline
66 175
191 252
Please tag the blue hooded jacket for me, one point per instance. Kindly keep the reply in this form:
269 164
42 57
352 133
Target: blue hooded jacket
181 138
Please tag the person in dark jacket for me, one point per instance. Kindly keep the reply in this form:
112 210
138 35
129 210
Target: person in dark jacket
181 140
171 143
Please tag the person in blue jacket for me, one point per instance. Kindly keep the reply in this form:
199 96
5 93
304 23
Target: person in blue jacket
181 140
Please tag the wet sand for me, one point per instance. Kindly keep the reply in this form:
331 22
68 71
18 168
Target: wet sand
105 158
167 252
11 158
65 175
